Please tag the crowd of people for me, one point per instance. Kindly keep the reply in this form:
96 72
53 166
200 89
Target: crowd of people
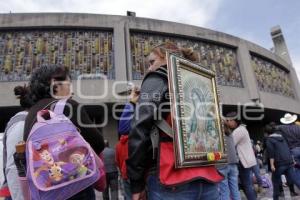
144 155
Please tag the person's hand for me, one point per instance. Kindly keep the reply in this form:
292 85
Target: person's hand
139 196
273 168
134 95
294 163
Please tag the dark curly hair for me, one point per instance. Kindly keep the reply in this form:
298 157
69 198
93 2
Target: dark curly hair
22 93
40 81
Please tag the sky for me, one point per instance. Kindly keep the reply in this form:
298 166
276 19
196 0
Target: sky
250 20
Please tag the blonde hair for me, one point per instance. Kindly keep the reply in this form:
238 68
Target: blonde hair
187 53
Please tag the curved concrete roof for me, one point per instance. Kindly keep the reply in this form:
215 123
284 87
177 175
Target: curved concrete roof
123 26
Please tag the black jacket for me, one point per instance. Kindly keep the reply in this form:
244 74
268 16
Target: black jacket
291 133
278 150
154 92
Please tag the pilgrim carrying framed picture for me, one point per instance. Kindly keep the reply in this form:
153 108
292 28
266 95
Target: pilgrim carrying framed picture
196 121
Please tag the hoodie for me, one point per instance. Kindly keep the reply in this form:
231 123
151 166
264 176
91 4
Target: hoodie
278 149
291 133
122 155
125 119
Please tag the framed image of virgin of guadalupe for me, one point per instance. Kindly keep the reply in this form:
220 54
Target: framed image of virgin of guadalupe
196 121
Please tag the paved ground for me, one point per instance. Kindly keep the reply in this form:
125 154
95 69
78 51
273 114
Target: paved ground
265 195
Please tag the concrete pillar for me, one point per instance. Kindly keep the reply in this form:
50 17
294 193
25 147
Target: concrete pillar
280 47
247 72
281 50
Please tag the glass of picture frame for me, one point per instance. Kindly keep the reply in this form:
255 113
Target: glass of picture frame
196 119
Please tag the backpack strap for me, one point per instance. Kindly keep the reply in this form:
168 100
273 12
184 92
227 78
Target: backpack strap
25 137
12 121
154 134
165 127
59 106
159 124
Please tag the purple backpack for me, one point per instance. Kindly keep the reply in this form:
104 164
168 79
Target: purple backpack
60 163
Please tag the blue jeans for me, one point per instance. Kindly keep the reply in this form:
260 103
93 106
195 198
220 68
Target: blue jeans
246 181
195 190
255 170
229 188
112 185
127 191
289 172
296 154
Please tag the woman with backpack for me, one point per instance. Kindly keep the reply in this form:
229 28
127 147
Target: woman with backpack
47 85
142 170
12 135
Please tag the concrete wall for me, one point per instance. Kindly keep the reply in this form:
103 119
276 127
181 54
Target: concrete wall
122 26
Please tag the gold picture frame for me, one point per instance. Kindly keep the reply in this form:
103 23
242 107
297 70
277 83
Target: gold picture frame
196 120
